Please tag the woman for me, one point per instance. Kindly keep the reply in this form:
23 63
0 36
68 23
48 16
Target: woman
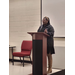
47 28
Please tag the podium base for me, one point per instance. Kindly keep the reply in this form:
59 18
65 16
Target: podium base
30 74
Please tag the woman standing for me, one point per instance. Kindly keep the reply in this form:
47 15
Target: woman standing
47 28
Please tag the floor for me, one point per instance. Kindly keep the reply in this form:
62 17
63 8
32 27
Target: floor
18 69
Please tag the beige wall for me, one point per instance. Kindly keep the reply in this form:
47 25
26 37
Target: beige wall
24 16
59 42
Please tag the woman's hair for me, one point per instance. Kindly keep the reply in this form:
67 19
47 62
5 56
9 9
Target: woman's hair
47 20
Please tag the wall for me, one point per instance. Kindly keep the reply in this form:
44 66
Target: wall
55 10
59 56
24 16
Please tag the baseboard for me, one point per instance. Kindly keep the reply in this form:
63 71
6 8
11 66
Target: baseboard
25 61
62 72
57 68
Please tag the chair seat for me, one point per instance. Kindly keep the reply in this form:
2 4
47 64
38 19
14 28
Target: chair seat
21 54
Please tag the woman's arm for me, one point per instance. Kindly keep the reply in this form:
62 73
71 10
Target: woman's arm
50 31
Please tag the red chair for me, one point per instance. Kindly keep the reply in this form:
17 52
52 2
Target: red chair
25 51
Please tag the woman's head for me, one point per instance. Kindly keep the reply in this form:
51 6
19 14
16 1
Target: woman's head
46 21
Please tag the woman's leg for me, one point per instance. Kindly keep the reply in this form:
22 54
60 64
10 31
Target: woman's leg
49 63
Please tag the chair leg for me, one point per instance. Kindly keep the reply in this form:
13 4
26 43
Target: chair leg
20 59
30 58
23 61
12 60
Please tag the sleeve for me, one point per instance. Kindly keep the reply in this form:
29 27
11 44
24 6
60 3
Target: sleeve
51 31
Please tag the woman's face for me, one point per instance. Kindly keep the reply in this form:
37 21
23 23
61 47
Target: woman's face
45 21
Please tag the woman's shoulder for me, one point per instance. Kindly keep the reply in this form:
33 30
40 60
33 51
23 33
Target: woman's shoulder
50 26
41 26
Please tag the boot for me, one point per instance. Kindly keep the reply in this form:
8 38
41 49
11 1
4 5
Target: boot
49 63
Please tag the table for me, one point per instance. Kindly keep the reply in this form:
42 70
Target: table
12 49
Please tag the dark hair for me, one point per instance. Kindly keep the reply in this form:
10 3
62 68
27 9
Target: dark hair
47 20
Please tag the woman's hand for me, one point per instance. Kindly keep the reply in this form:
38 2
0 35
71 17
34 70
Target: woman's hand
45 31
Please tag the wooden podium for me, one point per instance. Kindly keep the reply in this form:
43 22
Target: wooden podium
39 53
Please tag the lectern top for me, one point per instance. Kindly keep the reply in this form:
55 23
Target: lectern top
42 33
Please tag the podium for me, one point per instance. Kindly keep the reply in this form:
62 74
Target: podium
39 53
